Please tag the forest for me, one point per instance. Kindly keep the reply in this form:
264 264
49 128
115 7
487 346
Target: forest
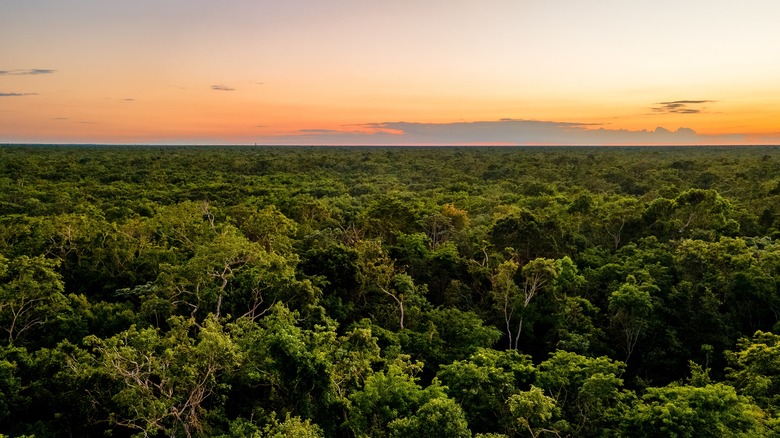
389 291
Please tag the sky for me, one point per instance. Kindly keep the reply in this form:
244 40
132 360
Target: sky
406 72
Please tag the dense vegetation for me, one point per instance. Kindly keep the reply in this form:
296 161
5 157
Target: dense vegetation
380 292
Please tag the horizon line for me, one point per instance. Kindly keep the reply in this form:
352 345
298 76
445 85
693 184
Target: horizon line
438 145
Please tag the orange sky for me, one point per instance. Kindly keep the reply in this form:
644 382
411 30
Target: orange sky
347 71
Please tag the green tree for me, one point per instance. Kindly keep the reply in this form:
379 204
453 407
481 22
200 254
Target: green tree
170 381
586 390
533 411
696 213
394 394
378 275
437 417
267 226
528 234
688 411
10 385
31 295
754 368
229 271
293 364
185 225
455 334
291 427
615 215
483 383
334 269
508 296
631 306
575 325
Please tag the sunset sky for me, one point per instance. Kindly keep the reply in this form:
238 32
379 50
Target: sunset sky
390 72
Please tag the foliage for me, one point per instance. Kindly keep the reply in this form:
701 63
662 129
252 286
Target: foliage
196 291
685 411
166 379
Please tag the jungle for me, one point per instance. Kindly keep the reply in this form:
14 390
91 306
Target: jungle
152 291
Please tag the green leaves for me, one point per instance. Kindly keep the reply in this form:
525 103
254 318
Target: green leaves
389 398
586 390
483 383
510 300
755 369
31 295
437 417
533 411
631 306
351 292
686 411
168 379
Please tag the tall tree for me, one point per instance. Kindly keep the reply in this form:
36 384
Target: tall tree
510 299
31 295
631 306
169 380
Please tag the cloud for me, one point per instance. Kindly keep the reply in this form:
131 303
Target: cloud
28 72
39 71
320 131
129 100
222 88
681 107
498 132
17 94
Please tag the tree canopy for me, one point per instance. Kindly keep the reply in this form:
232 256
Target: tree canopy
267 292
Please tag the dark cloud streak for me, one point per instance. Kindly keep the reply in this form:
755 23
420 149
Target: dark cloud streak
17 94
222 88
681 107
27 72
320 131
